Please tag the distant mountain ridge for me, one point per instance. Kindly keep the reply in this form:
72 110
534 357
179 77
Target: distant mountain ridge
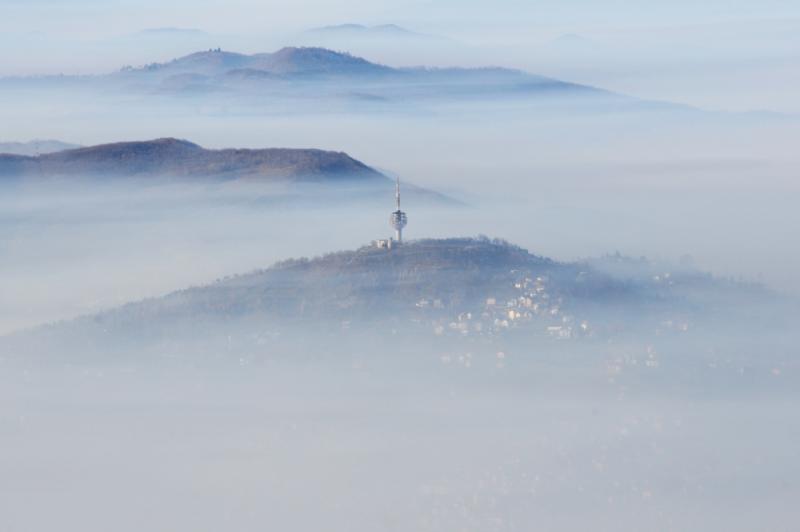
316 79
291 64
286 61
317 75
171 31
374 32
171 157
35 147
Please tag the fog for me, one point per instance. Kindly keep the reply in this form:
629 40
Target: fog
392 435
670 410
720 189
387 433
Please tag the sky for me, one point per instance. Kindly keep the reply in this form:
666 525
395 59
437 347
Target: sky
251 14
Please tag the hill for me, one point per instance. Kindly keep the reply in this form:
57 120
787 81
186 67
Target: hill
316 79
466 289
175 158
217 69
288 61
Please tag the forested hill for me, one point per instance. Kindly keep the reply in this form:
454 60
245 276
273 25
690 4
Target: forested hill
169 157
466 287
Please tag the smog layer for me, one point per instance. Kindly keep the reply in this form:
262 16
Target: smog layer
246 282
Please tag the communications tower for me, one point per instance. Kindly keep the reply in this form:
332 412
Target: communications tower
398 218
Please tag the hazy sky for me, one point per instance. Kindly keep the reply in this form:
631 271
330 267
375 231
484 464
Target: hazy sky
272 445
238 15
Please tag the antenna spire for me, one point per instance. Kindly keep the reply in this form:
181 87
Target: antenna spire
397 192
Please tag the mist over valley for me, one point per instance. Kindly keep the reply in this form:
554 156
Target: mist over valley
247 286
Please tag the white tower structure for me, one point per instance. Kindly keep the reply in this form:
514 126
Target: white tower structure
398 219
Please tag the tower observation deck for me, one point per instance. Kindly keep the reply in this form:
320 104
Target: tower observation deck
398 218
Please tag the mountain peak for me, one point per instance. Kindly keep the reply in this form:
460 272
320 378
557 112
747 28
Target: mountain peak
391 27
316 60
164 146
308 51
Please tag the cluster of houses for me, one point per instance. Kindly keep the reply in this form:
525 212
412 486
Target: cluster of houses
528 304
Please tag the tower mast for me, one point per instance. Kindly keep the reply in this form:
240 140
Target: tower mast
398 219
